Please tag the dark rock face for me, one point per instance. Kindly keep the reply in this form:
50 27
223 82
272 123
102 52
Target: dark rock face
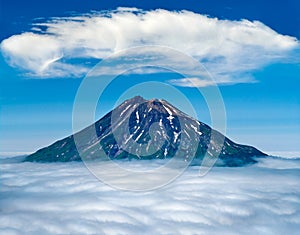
147 129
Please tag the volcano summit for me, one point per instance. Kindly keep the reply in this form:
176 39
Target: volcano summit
147 129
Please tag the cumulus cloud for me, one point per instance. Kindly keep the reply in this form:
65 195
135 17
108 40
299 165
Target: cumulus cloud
223 46
65 198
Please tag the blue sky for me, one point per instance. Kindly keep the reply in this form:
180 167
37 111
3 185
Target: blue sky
258 74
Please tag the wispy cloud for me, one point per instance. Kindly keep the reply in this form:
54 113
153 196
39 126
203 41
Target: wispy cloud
202 82
226 48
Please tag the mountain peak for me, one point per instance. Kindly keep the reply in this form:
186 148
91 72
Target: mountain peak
136 99
135 126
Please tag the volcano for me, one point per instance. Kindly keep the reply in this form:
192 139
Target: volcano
147 129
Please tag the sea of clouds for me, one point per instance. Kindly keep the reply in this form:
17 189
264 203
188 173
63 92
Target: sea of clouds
65 198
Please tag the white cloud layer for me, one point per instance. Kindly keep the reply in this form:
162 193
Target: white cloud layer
227 48
65 198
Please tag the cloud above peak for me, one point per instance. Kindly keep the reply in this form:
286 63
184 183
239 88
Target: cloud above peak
226 48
